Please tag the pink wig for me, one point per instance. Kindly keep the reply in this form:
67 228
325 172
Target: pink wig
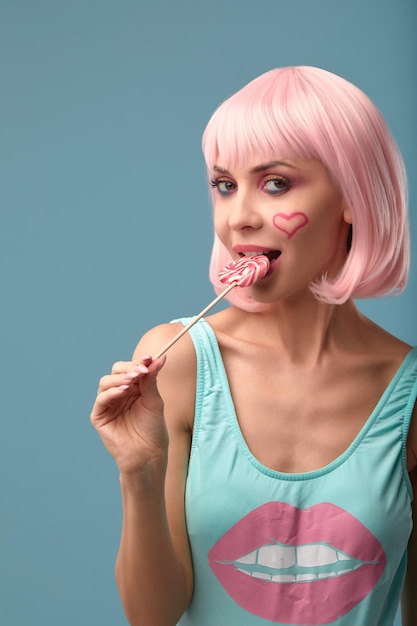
307 112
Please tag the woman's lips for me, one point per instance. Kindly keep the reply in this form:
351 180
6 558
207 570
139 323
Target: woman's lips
298 566
251 249
272 255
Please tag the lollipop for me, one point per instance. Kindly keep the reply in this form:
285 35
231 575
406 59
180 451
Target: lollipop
245 271
242 272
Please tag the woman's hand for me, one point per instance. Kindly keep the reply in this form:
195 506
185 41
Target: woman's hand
128 414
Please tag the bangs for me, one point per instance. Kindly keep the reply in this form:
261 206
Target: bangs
258 122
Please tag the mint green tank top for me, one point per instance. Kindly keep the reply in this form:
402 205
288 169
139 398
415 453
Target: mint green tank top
323 547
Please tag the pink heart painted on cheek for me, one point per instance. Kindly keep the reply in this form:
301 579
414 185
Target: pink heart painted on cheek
290 224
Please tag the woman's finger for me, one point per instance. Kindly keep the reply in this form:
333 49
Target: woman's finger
121 366
124 378
126 366
106 403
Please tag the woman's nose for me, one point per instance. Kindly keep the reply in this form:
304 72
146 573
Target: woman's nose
244 213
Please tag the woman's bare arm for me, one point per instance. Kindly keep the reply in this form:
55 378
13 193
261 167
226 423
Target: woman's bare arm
153 568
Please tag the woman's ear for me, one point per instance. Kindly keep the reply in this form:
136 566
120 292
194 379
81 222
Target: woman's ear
347 214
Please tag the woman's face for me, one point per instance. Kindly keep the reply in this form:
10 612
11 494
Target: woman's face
289 210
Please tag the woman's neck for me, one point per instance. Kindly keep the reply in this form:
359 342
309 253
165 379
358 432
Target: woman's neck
302 333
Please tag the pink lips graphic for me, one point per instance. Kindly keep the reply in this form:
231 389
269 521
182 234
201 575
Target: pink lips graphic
312 595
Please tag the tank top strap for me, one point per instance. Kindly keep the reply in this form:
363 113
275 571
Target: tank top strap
211 377
400 396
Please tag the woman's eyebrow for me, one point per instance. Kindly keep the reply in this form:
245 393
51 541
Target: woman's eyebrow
221 170
266 166
258 168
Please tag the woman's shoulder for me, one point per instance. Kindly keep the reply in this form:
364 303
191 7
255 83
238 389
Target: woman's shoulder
156 340
177 378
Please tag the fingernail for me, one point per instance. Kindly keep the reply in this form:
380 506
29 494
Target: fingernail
146 358
130 375
161 362
123 387
142 369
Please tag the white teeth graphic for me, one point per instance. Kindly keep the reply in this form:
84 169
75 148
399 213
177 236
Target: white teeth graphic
277 556
287 564
319 555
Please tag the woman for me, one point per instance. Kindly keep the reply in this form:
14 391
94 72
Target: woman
268 476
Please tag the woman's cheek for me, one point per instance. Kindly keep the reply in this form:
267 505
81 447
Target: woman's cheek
290 223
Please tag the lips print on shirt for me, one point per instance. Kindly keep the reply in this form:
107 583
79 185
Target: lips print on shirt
298 566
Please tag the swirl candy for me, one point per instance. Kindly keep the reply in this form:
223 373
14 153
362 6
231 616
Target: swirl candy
245 271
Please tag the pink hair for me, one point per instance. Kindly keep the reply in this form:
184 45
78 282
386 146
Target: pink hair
307 112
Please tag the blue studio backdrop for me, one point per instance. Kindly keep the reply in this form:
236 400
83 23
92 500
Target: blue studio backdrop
103 204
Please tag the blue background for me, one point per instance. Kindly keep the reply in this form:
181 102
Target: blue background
103 203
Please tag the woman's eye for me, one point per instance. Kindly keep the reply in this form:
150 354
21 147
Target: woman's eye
224 187
275 185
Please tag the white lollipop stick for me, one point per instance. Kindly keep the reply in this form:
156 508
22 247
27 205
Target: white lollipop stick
195 320
242 272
